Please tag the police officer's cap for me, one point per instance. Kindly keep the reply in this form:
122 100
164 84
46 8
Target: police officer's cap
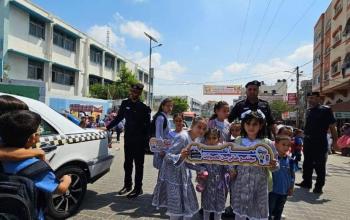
138 86
253 83
317 94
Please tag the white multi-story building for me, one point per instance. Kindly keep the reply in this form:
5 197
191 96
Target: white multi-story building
270 93
194 104
41 51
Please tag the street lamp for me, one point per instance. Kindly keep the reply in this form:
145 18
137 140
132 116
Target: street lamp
150 63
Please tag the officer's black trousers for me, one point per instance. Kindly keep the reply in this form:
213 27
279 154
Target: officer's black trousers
314 159
134 153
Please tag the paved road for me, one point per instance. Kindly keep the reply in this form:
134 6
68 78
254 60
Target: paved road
102 202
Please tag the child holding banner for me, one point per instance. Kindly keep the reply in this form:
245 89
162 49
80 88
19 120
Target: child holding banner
175 190
215 187
218 120
249 190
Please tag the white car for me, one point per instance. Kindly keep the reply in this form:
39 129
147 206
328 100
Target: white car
81 153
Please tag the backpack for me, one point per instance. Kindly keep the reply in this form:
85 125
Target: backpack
153 123
19 197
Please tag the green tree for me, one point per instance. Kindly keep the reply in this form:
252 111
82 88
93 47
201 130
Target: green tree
180 105
117 90
278 107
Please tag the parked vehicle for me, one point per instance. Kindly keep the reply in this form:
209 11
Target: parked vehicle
188 118
81 153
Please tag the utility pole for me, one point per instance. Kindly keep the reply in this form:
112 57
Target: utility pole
298 103
150 66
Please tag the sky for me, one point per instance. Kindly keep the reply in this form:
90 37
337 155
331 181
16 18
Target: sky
222 42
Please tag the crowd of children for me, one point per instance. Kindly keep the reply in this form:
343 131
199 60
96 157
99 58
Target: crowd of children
254 192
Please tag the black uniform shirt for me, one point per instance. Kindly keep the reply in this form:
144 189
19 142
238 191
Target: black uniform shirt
318 120
245 105
137 119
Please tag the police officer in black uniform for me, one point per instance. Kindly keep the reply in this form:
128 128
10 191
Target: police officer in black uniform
252 102
137 128
319 119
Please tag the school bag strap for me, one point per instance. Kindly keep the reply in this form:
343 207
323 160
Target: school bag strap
35 169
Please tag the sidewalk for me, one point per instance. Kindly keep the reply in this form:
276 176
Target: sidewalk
102 201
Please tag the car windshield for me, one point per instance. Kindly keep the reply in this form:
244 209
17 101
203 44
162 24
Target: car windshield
188 121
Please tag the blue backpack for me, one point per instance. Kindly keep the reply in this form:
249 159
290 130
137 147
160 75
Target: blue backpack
19 198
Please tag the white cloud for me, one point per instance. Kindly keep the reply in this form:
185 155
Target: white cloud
169 70
236 67
302 53
279 68
217 75
136 30
99 33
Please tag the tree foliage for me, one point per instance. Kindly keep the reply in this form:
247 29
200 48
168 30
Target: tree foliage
117 90
180 105
278 107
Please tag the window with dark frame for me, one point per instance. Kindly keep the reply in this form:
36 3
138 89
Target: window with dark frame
140 76
335 67
63 40
95 56
63 76
36 28
109 62
35 70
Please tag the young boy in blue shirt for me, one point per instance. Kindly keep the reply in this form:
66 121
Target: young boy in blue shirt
20 129
283 179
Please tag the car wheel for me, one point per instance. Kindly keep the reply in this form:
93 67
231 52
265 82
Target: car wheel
63 206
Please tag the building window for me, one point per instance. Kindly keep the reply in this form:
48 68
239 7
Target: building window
63 76
335 67
317 58
94 80
140 76
63 40
337 38
318 36
265 92
109 62
35 70
337 9
95 56
145 78
273 92
36 28
347 29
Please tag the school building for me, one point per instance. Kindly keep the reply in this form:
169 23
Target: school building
41 56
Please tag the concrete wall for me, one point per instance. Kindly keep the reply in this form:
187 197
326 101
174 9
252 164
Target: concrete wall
64 57
64 90
18 65
19 38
